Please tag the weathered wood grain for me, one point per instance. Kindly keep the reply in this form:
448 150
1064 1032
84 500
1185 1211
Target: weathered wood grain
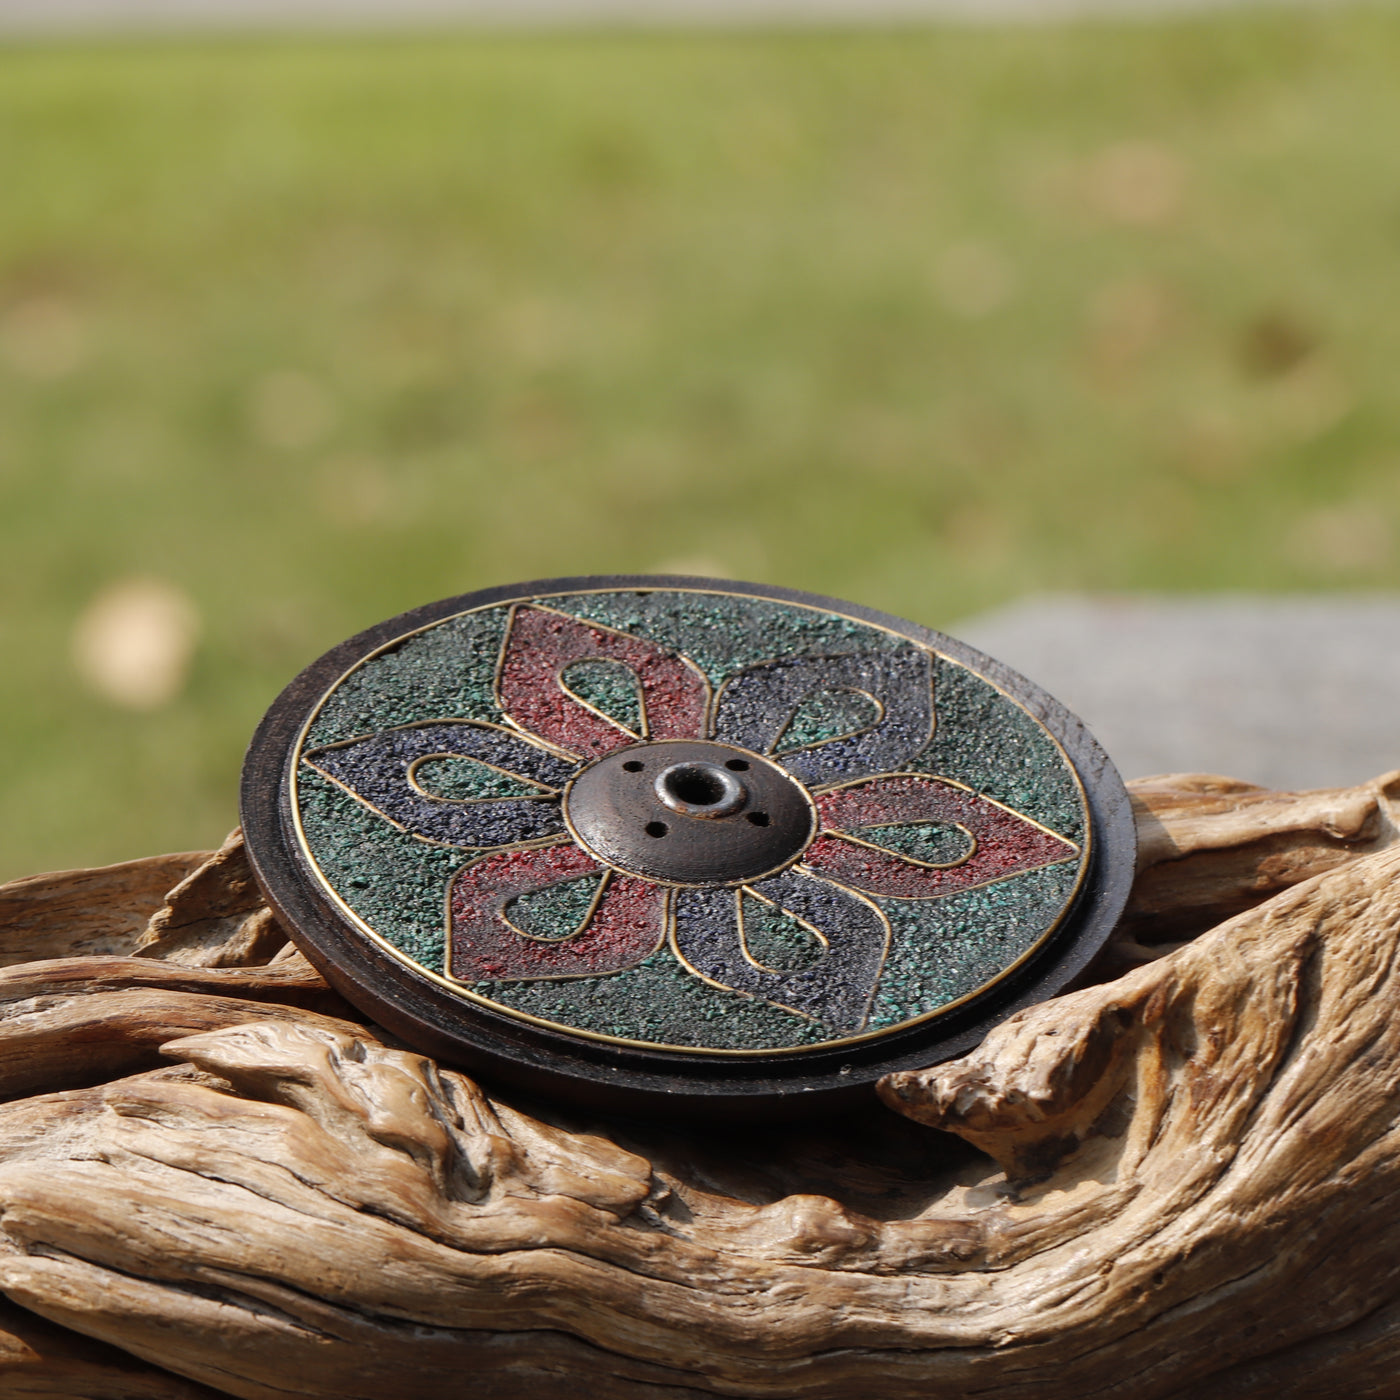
1173 1184
75 1021
38 1359
215 917
76 913
1211 847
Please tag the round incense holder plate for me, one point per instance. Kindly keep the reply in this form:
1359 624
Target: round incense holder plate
677 844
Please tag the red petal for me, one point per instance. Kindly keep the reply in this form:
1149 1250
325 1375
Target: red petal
542 644
1006 842
626 926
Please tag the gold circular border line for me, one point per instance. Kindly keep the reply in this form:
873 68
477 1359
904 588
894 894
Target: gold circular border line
462 990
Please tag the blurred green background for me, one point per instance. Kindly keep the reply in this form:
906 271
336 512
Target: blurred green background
297 334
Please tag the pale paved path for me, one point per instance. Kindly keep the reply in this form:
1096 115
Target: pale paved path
19 16
1289 692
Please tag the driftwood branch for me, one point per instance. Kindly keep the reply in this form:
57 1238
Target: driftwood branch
215 1179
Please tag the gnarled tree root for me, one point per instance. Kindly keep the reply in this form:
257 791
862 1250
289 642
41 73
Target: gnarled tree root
1173 1184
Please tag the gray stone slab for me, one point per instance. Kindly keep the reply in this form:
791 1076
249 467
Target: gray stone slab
1291 692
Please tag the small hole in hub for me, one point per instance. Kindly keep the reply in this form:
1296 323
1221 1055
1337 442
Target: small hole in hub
737 765
697 786
758 818
634 765
657 828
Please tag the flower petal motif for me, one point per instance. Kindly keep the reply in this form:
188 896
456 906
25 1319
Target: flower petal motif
379 771
837 991
543 644
758 704
626 923
1004 842
628 919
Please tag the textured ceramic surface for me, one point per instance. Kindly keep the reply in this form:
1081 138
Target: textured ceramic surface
938 834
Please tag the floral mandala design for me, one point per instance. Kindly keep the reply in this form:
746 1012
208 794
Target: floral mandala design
856 788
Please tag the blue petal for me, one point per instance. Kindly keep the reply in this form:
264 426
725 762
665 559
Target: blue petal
759 703
837 991
376 770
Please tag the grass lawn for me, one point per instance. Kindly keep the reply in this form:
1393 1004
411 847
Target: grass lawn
315 331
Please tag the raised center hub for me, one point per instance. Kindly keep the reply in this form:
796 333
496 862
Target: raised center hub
690 813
